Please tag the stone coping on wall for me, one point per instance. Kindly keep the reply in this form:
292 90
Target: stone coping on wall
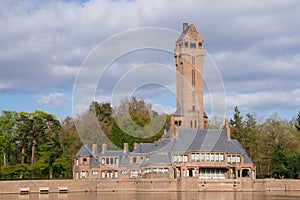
147 185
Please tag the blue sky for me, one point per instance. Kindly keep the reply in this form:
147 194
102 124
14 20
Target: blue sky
255 45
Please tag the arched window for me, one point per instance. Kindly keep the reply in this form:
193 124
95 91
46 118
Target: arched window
84 161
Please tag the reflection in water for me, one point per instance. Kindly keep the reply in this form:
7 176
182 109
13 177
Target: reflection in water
161 196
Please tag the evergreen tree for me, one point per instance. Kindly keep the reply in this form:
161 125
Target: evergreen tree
237 126
279 162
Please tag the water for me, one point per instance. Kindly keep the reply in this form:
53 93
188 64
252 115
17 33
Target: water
161 196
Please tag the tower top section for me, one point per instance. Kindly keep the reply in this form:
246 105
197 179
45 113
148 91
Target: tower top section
189 33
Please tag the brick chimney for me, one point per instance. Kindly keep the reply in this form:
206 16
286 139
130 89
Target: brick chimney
125 147
94 149
184 26
104 148
227 129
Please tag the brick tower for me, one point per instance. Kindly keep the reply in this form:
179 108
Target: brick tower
189 58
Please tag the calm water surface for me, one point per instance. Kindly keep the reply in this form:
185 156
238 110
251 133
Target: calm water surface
161 196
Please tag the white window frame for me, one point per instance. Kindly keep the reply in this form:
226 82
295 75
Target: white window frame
197 157
193 157
229 159
116 174
95 172
221 157
216 157
238 159
185 158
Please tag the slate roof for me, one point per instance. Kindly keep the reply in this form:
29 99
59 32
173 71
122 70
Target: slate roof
84 151
144 148
161 158
184 32
124 160
94 163
178 112
188 140
111 153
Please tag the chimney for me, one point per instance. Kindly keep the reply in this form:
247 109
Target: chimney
227 129
135 145
184 26
94 149
104 148
125 147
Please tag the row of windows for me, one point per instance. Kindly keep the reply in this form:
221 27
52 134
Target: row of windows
109 174
157 170
195 157
180 158
211 174
193 45
207 157
233 159
109 161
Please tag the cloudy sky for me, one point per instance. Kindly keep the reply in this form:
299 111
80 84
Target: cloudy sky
255 45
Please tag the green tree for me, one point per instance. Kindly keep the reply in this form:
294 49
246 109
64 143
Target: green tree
279 162
136 122
7 131
62 168
237 126
23 132
297 123
69 139
293 165
40 169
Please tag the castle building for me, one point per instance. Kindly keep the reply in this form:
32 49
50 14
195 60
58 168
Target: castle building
189 150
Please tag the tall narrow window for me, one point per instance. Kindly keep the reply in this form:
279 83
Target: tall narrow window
195 124
193 60
193 77
186 44
194 108
191 124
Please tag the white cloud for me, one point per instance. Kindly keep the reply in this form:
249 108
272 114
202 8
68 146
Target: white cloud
254 43
54 100
263 101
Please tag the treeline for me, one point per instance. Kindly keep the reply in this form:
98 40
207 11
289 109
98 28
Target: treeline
38 146
273 144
